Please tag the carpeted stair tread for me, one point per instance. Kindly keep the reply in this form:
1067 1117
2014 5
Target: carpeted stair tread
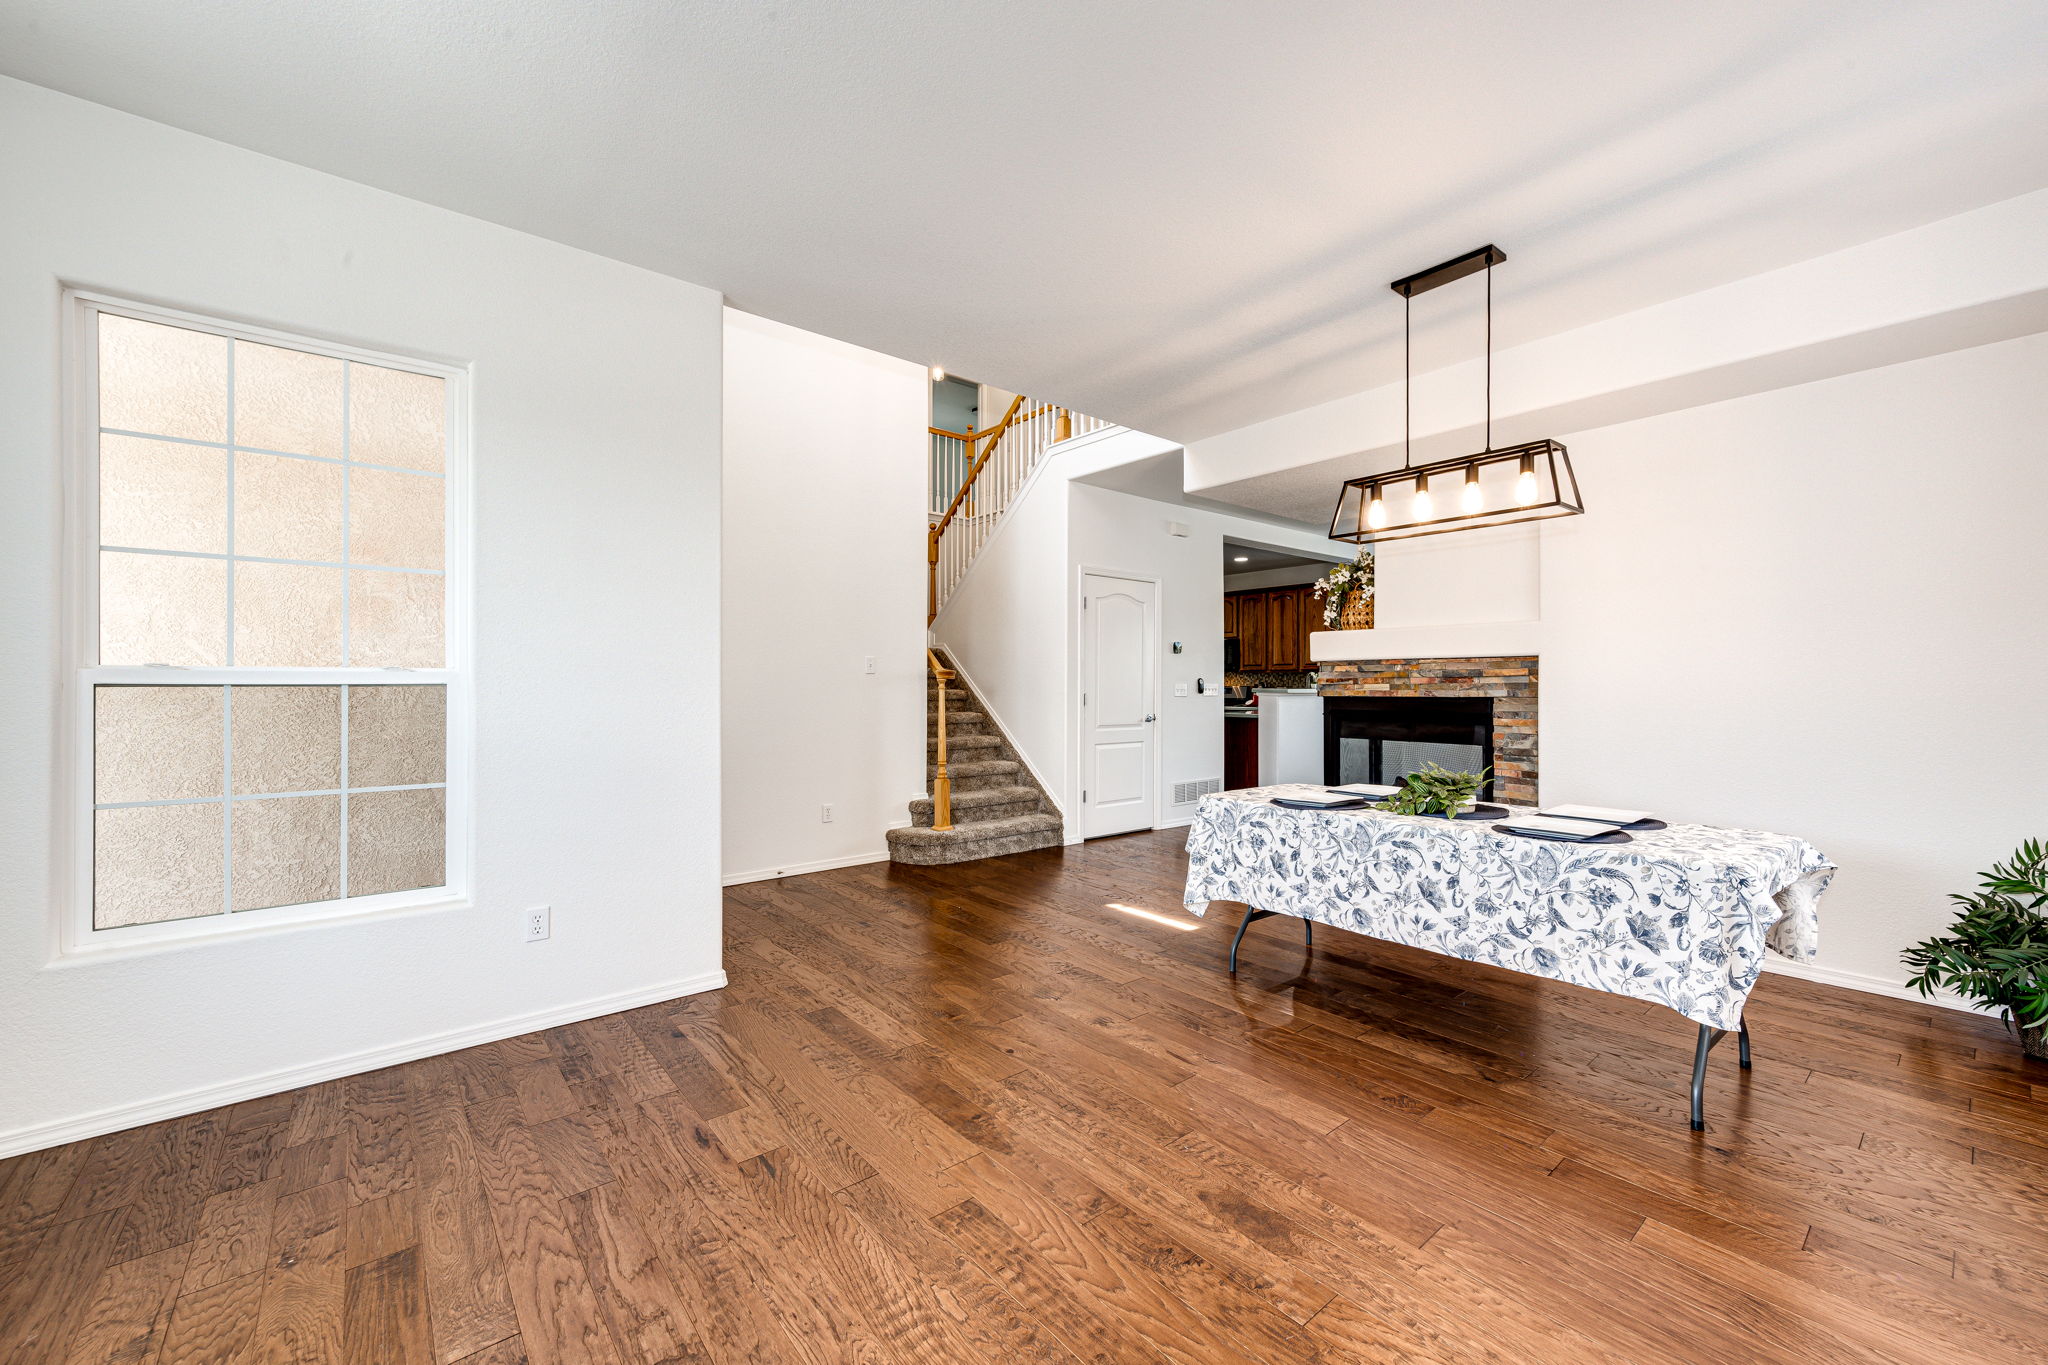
979 767
998 806
981 807
977 775
986 839
956 743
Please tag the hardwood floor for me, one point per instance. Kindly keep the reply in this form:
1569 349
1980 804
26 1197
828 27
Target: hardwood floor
981 1114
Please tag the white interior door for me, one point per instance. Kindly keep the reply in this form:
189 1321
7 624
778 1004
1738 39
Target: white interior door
1118 725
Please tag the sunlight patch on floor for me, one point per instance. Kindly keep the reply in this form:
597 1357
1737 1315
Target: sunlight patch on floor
1155 917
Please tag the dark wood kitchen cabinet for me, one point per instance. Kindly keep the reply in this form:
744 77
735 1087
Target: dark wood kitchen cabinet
1252 637
1272 626
1287 647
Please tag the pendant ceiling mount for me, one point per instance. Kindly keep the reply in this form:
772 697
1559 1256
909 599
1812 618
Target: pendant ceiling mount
1531 481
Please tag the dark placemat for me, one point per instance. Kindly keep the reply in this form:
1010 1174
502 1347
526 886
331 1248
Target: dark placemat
1612 836
1481 811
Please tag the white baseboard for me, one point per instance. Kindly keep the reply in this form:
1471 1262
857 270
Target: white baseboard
1177 822
1872 985
769 874
38 1136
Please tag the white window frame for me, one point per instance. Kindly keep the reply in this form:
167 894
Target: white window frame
76 937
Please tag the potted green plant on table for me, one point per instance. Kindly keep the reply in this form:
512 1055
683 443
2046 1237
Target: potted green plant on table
1347 594
1996 951
1435 790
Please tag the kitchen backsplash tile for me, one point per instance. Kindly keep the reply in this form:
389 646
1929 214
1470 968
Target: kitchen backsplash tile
1302 679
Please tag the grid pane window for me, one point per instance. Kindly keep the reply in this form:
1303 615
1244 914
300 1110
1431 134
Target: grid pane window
313 486
210 799
271 522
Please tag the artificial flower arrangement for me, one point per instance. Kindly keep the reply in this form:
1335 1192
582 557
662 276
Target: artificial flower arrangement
1341 584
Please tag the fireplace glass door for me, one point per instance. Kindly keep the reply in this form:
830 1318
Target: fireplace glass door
1383 739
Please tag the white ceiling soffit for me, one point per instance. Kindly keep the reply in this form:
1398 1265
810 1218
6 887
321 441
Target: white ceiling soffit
1181 217
1969 280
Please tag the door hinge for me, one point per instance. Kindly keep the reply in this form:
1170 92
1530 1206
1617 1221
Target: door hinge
1084 796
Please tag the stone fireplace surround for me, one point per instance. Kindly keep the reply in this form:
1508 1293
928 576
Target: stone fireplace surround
1509 681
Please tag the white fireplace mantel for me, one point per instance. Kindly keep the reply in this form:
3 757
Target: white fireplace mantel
1481 640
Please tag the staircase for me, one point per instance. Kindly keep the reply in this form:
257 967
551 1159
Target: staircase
976 475
997 806
984 801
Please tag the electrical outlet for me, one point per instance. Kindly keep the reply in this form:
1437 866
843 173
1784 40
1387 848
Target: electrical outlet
825 814
539 922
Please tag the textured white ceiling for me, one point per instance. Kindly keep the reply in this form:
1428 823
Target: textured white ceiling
1180 216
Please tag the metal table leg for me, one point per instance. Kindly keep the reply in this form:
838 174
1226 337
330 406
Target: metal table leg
1709 1037
1307 926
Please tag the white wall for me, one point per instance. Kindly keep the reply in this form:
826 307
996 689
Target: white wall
1007 626
1968 280
1821 610
1824 611
1110 532
824 568
596 427
1012 624
1472 576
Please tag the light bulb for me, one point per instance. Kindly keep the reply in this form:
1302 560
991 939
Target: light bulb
1525 482
1424 507
1474 500
938 374
1376 509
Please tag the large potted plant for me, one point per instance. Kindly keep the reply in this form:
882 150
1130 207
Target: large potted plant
1996 952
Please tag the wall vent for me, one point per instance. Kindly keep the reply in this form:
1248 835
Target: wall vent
1184 792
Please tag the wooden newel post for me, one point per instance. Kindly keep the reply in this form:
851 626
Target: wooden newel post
942 784
1063 426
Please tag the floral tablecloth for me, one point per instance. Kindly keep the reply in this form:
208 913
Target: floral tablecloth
1680 916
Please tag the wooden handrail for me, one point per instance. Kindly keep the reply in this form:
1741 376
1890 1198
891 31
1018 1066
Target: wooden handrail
942 784
938 528
963 495
995 435
984 435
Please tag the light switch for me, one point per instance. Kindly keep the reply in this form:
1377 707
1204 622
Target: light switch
1180 689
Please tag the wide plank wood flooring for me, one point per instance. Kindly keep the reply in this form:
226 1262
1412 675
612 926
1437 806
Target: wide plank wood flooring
984 1114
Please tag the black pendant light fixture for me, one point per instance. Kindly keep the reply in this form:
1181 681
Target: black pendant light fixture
1526 482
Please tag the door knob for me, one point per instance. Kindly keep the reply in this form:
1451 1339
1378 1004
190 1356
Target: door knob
1150 719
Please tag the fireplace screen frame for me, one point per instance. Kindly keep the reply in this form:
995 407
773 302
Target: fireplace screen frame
1458 720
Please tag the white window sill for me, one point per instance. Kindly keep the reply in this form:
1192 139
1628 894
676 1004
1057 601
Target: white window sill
140 940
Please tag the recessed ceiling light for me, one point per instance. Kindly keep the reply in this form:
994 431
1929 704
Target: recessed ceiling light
938 373
1242 559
